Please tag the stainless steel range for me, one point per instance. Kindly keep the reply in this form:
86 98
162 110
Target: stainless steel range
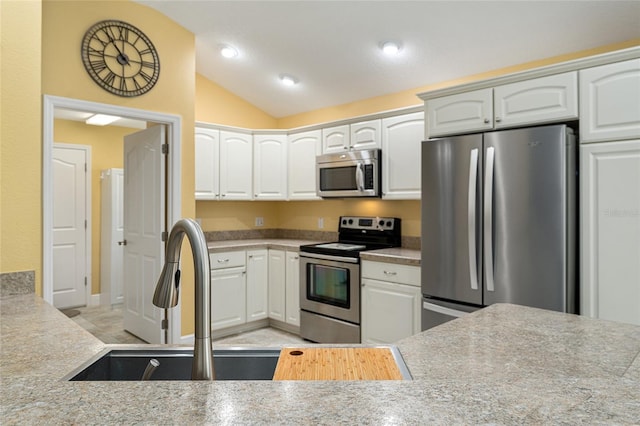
330 278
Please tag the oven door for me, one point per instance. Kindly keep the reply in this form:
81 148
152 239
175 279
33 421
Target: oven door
330 286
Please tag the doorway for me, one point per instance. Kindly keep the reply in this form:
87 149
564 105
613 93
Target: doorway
173 190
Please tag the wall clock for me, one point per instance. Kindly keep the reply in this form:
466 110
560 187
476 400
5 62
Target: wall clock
120 58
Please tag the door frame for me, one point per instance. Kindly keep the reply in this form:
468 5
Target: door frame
174 180
87 209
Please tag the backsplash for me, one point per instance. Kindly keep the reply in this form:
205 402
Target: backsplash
13 283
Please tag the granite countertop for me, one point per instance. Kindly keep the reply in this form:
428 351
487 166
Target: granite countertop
505 364
249 244
401 255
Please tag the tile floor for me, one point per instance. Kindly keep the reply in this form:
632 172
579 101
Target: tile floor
106 324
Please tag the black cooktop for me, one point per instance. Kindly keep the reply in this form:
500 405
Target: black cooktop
357 234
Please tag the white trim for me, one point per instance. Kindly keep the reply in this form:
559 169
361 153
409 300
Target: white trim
574 65
87 213
174 170
94 300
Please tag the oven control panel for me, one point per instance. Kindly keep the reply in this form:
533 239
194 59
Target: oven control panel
372 223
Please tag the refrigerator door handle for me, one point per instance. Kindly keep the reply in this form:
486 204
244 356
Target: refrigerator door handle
471 211
443 310
488 218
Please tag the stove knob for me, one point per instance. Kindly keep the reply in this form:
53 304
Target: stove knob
389 224
350 221
381 223
344 221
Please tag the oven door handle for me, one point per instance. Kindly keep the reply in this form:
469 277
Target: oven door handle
329 257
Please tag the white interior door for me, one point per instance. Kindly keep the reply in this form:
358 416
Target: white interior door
112 237
144 221
70 218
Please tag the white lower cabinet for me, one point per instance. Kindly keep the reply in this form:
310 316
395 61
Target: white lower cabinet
257 284
284 305
228 297
292 288
610 230
390 302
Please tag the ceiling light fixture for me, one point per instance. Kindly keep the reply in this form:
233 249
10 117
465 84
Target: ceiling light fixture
101 119
228 51
390 47
288 80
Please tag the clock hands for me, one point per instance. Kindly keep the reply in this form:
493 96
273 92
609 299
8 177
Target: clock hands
121 58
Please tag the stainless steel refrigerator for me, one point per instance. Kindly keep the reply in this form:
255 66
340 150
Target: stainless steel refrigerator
499 221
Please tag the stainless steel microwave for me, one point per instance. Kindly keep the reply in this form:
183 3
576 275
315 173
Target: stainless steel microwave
349 174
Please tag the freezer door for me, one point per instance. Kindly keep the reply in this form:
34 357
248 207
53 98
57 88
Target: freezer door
526 216
452 218
436 312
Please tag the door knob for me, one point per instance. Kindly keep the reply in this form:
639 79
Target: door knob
122 243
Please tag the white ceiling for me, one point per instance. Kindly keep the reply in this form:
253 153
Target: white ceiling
332 46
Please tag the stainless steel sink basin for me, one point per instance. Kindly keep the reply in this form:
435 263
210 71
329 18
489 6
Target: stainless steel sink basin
175 364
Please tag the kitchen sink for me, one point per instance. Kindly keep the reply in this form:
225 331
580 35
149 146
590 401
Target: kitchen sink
175 364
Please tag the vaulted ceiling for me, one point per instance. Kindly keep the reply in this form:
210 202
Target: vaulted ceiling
332 47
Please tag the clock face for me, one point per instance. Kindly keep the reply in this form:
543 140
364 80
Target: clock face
120 58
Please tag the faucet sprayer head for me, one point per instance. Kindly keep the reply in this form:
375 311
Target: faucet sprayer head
167 289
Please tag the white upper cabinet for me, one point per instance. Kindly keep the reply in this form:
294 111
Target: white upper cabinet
346 137
302 150
610 102
365 135
461 113
207 153
270 167
401 138
336 139
542 100
236 165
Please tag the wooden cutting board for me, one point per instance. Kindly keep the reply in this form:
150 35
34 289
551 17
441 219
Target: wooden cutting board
336 364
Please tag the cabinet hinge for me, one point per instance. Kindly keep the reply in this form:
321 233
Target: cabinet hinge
165 148
85 281
165 324
85 167
164 236
85 224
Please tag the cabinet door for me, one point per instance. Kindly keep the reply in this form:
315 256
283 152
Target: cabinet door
390 312
335 139
366 135
302 151
228 298
207 152
610 219
277 287
236 166
270 167
401 138
462 113
257 284
541 100
610 102
292 288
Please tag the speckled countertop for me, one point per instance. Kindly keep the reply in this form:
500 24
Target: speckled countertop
502 365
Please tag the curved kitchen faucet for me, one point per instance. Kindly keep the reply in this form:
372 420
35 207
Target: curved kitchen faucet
167 291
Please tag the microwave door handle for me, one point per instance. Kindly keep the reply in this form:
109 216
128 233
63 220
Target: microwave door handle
360 177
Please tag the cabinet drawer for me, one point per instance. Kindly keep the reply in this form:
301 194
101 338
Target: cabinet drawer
229 259
403 274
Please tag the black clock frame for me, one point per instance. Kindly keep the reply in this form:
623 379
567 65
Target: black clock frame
120 58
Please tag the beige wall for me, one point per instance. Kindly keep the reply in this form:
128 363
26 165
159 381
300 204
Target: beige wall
106 152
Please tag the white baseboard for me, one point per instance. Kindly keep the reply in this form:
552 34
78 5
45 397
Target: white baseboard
94 300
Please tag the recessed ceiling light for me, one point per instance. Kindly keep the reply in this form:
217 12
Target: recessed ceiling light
228 51
101 119
288 80
390 47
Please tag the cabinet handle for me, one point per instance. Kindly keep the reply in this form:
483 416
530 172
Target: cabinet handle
390 273
498 119
223 260
122 243
486 121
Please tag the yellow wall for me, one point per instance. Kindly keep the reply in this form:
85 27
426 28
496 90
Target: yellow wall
215 104
20 138
106 152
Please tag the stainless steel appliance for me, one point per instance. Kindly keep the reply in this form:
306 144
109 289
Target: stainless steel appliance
330 278
349 174
499 221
